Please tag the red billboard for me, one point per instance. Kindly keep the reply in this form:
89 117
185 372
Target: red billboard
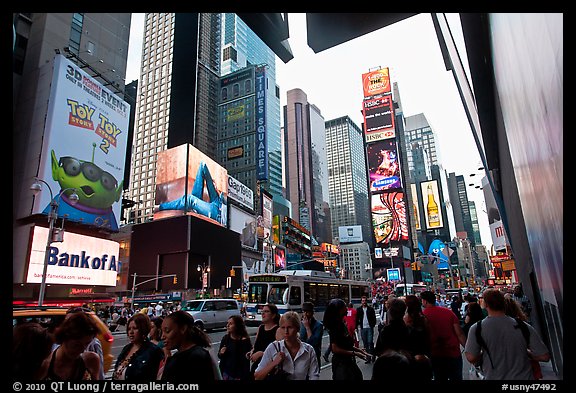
389 217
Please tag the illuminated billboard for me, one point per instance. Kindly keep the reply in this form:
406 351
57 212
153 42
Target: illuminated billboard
261 132
383 165
376 82
266 215
84 148
378 118
389 217
244 224
350 234
415 206
77 260
279 258
189 182
240 192
432 209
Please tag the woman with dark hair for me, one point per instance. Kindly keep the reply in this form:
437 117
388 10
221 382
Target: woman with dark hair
267 333
69 361
155 334
31 344
473 315
140 359
234 364
344 365
418 337
192 362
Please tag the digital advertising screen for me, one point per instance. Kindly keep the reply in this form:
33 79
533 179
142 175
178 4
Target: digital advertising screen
389 217
378 118
432 210
190 182
383 165
376 82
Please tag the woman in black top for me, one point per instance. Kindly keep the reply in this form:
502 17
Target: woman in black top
267 333
192 362
70 361
344 365
140 359
233 349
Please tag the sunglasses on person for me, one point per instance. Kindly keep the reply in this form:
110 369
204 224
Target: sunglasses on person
72 167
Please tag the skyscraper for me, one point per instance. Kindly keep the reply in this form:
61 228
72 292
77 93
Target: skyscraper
241 47
306 165
178 97
347 181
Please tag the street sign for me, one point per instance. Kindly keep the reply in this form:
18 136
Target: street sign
393 274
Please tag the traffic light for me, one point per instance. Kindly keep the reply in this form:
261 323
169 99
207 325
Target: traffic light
175 280
232 273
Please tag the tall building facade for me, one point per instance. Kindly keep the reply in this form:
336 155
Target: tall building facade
241 47
97 43
460 206
347 181
178 96
306 165
419 133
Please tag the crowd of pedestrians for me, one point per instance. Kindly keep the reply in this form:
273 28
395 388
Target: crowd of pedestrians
419 336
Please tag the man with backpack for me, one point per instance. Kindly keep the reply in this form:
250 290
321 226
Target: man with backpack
504 346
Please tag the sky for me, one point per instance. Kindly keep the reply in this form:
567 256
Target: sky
332 81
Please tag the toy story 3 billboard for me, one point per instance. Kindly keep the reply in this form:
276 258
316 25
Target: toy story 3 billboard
84 148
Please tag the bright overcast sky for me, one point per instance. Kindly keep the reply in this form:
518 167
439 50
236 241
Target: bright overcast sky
332 80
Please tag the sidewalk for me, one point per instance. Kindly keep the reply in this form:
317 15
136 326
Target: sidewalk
467 375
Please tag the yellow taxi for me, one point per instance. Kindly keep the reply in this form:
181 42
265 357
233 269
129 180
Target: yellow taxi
50 317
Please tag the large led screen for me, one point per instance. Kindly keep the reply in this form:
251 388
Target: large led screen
189 182
84 148
389 217
77 260
383 165
378 118
432 207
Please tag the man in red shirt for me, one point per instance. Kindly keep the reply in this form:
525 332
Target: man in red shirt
350 320
446 336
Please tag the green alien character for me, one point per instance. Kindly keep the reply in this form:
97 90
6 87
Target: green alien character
97 191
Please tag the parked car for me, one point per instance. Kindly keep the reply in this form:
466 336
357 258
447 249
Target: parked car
212 313
51 317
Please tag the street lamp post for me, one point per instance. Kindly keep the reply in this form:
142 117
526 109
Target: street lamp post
205 270
36 187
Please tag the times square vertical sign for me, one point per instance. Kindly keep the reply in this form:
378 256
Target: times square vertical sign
261 141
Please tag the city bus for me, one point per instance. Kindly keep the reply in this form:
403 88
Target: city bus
288 289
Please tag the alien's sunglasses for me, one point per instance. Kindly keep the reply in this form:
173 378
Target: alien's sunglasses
73 167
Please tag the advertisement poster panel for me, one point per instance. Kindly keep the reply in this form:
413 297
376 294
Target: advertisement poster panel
350 234
378 118
190 182
389 217
376 82
78 260
279 258
244 224
383 165
415 206
432 209
240 192
84 151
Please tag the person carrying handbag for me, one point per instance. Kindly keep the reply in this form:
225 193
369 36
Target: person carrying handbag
295 357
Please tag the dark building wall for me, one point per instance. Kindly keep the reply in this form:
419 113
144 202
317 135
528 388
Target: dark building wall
182 124
177 246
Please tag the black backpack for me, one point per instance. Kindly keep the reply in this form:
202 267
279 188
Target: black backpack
519 325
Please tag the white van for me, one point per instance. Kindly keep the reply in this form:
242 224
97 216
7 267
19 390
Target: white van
212 313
